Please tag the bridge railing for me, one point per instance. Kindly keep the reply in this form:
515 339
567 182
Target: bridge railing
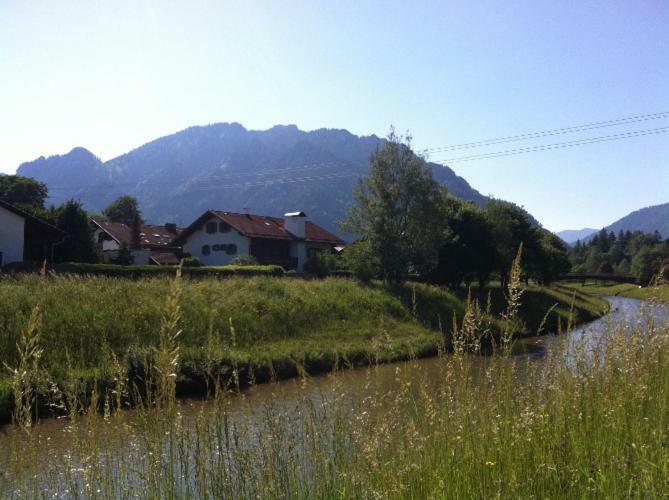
616 278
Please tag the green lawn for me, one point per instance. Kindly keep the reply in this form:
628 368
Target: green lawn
623 289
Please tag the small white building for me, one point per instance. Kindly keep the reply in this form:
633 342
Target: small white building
24 237
217 237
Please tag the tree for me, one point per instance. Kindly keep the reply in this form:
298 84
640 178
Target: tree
551 259
125 210
605 268
511 226
363 263
646 264
396 210
23 192
124 256
467 250
78 246
136 232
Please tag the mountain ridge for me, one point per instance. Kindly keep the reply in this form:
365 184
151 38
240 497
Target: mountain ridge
571 236
647 220
225 166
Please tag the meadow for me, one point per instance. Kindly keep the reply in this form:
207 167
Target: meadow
498 426
95 329
660 292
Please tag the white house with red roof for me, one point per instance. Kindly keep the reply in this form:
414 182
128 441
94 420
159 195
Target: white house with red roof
154 245
217 237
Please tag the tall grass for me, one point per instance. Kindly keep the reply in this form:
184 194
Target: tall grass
469 427
110 333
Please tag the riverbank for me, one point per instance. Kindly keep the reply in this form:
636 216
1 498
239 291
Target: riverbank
660 293
452 426
95 331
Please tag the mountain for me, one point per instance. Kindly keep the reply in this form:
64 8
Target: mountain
571 236
648 220
224 166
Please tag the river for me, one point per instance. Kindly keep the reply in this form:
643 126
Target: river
55 436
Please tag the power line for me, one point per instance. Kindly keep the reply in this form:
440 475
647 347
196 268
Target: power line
544 133
559 145
349 163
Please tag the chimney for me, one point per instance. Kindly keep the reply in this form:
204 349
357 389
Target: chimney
294 223
171 227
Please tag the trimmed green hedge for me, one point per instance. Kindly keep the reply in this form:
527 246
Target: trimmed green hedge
117 271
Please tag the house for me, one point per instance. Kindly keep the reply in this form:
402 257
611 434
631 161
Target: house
154 245
217 237
24 237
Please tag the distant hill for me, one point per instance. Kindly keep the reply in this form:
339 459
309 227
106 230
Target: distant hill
648 220
227 167
571 236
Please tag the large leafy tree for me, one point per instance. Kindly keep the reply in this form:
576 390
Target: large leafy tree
78 246
647 264
396 211
124 209
467 251
551 258
510 226
23 192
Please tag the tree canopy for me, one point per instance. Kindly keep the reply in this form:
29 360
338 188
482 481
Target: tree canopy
23 192
124 209
636 253
78 246
396 211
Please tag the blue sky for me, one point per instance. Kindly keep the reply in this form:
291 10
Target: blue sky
110 76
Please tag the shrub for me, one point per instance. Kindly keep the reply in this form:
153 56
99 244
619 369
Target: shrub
361 261
323 263
191 261
244 260
112 270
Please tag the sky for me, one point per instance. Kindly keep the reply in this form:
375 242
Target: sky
110 76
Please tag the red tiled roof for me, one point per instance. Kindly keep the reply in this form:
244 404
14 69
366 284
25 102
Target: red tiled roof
314 232
258 226
262 226
150 236
164 258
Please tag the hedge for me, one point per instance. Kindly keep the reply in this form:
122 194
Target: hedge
114 270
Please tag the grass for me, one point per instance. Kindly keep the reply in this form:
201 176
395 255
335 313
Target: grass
96 327
660 293
596 427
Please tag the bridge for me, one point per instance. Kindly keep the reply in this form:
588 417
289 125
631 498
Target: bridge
616 278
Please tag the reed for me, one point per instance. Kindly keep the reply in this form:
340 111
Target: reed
589 421
131 339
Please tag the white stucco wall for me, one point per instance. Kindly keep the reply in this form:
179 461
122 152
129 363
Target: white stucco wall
199 238
12 235
299 249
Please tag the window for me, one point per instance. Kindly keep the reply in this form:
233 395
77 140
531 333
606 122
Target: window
223 228
206 250
216 248
211 227
232 249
